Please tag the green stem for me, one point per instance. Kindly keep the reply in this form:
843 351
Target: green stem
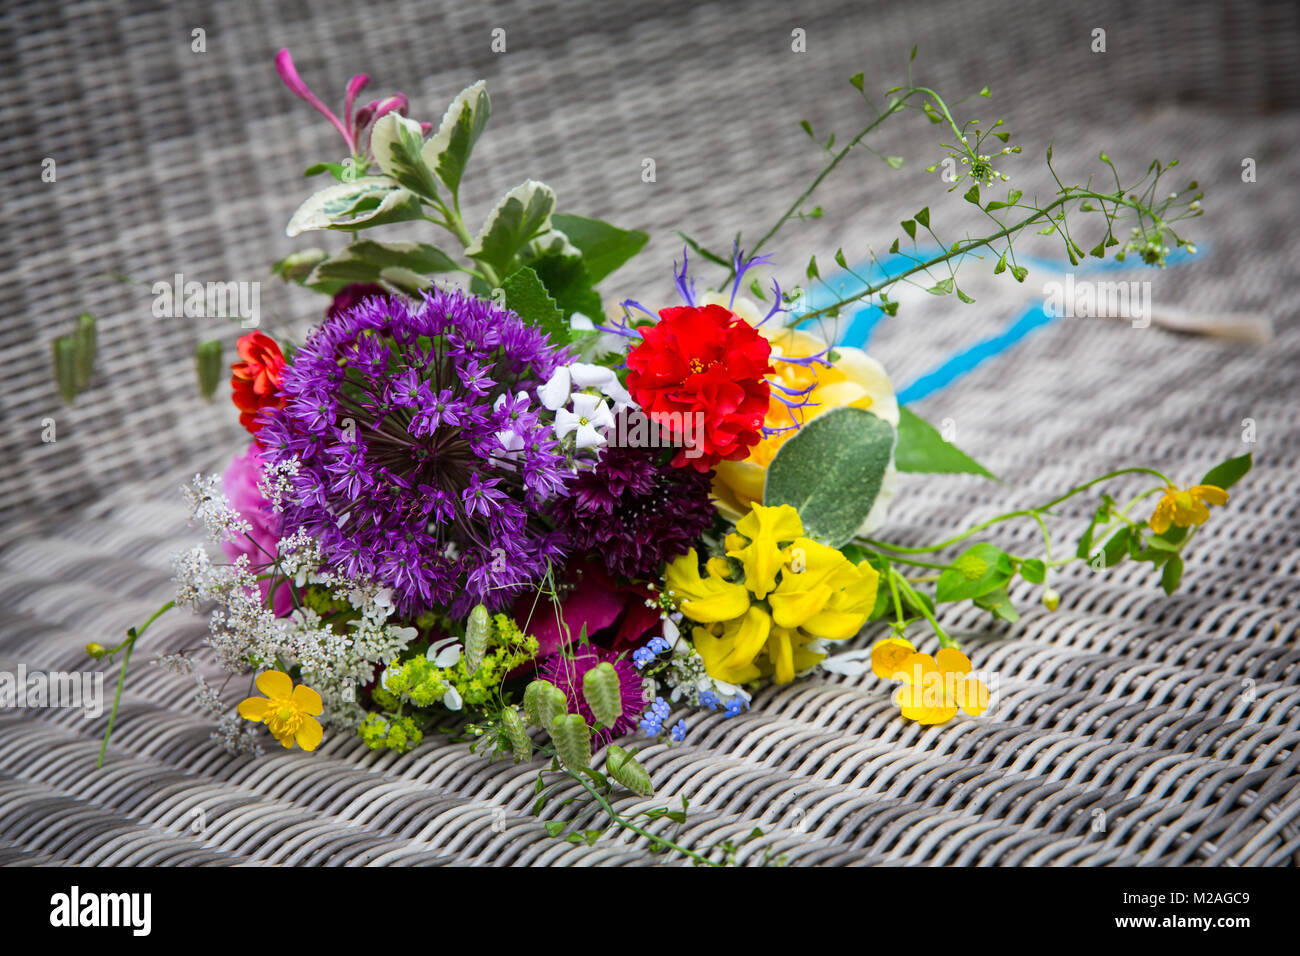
960 249
131 637
896 106
627 824
1020 513
944 639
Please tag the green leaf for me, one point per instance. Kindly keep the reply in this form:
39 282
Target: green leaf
520 216
447 151
999 604
1116 548
1100 517
65 367
368 261
208 366
526 295
85 337
1228 473
1033 570
396 142
568 283
362 203
831 470
1172 574
922 449
297 266
975 572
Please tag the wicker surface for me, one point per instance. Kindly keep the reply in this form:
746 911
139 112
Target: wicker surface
1127 728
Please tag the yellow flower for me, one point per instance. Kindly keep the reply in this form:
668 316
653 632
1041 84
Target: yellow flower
935 687
1183 508
708 600
855 379
887 656
289 712
762 556
791 596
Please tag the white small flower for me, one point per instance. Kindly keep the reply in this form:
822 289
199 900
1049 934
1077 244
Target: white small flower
555 393
452 699
444 653
589 414
585 375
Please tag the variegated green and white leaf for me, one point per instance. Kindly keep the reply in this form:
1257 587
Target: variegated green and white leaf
447 151
368 201
553 243
522 215
397 143
406 265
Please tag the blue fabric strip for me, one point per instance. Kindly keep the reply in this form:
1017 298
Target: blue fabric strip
862 323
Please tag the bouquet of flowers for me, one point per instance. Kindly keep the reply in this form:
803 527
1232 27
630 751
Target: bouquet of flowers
482 496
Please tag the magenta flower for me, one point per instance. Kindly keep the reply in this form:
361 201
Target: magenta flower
566 673
240 485
353 125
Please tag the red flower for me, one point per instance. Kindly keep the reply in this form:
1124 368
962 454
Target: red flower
700 374
256 380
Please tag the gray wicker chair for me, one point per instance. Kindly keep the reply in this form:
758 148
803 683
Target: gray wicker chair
1127 729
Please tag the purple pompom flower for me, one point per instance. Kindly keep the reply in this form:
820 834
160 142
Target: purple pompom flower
566 673
424 462
634 510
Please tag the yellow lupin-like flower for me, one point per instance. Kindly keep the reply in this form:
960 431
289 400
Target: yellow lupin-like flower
795 591
762 556
289 712
934 688
854 379
1184 508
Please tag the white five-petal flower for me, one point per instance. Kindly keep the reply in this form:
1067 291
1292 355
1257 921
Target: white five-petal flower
590 414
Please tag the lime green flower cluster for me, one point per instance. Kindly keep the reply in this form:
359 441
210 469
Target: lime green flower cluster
394 733
417 680
422 683
513 649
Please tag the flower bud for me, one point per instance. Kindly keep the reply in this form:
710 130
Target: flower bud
476 637
1051 599
96 650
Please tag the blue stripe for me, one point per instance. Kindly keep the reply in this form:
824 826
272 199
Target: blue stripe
862 323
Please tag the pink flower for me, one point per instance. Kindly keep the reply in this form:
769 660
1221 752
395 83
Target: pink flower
615 615
353 125
240 485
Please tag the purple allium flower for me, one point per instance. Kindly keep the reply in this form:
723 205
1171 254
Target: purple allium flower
634 511
352 295
566 673
423 460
